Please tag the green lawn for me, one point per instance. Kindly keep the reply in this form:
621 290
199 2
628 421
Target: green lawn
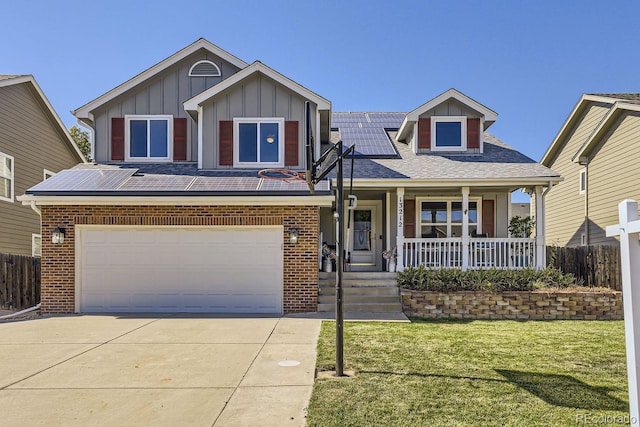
478 373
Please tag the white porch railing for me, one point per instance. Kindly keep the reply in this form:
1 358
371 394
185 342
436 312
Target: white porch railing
502 253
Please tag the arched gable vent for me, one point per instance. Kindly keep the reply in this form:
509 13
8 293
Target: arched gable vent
204 68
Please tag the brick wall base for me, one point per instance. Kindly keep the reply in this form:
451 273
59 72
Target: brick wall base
513 305
300 278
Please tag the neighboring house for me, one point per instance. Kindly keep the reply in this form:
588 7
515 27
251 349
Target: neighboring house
597 151
174 216
34 145
520 209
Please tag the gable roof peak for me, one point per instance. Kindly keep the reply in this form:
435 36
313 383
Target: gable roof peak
84 113
29 80
489 115
256 67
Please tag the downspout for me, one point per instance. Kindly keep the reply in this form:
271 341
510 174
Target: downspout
35 208
18 313
544 218
586 202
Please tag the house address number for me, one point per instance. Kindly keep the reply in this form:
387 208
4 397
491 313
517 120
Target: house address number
400 212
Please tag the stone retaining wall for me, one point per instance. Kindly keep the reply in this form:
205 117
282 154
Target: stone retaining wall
513 305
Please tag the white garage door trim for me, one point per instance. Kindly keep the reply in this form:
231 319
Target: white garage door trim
263 244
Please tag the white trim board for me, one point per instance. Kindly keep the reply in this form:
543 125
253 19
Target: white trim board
323 201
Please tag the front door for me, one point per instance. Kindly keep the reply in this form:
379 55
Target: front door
364 237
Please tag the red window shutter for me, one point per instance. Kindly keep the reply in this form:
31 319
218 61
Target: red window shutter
488 219
410 218
180 138
117 138
226 142
473 132
424 133
291 143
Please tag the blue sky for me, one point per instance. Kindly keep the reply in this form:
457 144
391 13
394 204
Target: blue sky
527 60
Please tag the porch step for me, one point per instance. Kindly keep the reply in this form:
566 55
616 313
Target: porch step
363 275
375 292
363 308
359 299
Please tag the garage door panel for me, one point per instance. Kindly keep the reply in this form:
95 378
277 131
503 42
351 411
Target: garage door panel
179 269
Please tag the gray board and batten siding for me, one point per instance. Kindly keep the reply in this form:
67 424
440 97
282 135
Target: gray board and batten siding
255 96
36 142
163 94
451 107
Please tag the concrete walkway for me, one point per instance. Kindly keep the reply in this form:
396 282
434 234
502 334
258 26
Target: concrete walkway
167 370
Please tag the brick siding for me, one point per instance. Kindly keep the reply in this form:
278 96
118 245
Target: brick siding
513 305
300 261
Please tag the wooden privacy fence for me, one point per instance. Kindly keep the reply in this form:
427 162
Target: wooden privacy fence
595 266
19 281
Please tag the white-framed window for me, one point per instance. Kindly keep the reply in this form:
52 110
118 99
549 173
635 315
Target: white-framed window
204 68
148 138
6 177
583 181
583 239
448 133
258 142
46 174
36 244
440 218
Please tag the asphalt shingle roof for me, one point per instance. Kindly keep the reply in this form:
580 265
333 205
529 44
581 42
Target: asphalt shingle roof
629 97
498 161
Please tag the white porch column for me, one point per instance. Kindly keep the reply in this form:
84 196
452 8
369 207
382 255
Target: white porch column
541 256
400 230
465 228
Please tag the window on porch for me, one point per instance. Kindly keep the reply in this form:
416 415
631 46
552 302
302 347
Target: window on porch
439 219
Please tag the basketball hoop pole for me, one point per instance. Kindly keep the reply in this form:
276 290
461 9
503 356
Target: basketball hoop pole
339 268
336 149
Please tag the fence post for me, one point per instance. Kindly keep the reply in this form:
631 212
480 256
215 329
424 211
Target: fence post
628 230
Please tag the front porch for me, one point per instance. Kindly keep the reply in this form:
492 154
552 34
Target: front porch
460 227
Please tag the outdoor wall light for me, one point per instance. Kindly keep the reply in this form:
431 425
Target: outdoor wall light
294 235
57 237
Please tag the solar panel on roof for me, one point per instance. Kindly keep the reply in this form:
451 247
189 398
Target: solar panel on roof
367 120
104 179
369 141
156 183
210 183
297 185
348 117
124 180
84 179
387 120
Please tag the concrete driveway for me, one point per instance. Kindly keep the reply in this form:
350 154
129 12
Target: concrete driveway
157 370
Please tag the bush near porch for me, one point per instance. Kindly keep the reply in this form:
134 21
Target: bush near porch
453 280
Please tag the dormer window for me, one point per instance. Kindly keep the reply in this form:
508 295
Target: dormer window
448 133
204 68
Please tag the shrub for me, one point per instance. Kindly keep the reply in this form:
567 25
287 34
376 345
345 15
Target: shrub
450 280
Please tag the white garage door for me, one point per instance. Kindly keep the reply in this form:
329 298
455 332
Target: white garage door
148 269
